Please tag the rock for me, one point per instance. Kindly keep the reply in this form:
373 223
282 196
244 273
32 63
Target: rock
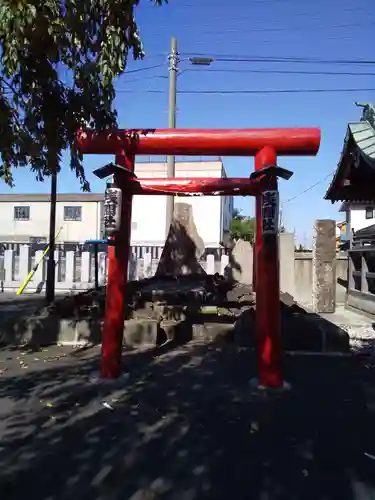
140 333
178 331
183 246
213 331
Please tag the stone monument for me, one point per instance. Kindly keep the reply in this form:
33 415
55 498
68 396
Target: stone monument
324 266
183 246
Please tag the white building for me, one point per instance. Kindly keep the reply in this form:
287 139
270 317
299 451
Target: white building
358 215
24 217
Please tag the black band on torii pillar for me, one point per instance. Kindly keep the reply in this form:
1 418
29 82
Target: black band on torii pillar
111 168
272 170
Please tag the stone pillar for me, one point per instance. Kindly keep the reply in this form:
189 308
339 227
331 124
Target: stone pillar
324 266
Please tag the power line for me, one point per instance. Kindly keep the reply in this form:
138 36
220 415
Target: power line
254 25
272 2
154 77
278 91
284 29
279 41
147 68
276 59
310 187
151 79
279 71
295 61
243 92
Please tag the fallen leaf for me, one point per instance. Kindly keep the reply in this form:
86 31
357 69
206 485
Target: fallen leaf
107 405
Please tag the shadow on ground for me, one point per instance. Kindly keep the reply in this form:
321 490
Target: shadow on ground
307 331
300 330
183 425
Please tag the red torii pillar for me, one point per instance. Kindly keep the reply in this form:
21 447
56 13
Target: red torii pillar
265 145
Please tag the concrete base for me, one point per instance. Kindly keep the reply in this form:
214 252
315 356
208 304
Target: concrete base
47 330
256 386
96 379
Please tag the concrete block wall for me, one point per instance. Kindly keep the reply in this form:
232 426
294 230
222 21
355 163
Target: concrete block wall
303 277
296 269
241 262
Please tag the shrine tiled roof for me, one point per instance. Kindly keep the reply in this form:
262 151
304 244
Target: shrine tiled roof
354 179
364 136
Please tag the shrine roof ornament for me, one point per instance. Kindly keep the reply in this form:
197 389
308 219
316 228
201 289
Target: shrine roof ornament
368 114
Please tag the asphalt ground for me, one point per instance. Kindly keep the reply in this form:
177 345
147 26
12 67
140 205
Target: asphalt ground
183 423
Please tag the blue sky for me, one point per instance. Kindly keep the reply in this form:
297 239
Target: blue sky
328 29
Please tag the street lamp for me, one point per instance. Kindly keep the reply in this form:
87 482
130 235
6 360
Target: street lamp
201 61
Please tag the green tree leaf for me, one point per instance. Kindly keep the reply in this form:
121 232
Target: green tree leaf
58 64
242 228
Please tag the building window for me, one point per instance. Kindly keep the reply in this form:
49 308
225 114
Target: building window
73 213
21 213
369 213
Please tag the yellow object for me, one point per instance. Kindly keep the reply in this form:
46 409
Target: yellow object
341 238
33 271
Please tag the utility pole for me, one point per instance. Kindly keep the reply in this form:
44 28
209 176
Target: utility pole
173 68
50 282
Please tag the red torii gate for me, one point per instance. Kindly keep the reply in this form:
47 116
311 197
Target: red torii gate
265 145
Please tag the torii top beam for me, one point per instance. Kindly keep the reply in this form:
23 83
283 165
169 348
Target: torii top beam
195 142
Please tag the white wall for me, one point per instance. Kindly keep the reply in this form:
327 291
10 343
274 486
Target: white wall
149 212
358 217
148 220
38 224
87 228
